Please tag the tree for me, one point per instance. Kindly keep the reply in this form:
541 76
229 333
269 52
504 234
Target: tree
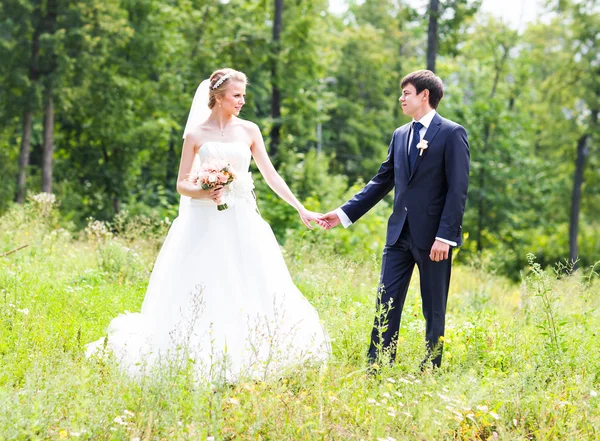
275 91
432 34
446 21
565 56
20 52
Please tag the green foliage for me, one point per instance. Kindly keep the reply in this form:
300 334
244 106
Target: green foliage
124 73
503 376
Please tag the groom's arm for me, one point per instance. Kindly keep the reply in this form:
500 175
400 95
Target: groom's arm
457 176
373 192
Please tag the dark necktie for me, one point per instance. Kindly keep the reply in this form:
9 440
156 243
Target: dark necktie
413 151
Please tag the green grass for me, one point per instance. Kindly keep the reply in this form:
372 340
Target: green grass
522 362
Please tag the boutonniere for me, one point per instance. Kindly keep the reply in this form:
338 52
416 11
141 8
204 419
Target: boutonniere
422 145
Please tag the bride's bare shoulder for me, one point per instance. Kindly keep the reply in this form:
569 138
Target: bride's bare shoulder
250 127
196 136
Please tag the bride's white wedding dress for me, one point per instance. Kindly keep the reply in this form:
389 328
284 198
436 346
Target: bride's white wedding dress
220 293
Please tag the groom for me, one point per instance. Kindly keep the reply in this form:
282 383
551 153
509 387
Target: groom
428 167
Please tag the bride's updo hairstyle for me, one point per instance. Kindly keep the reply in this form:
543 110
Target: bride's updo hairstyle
219 82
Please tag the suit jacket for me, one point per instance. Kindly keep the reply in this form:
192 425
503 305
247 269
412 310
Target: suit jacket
433 196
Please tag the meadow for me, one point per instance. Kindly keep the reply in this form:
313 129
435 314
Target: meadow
521 361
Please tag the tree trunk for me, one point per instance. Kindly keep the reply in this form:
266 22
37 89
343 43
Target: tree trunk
432 34
582 154
24 156
48 146
116 204
275 93
25 149
48 67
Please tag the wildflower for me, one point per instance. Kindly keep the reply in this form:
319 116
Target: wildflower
593 393
443 397
43 202
495 415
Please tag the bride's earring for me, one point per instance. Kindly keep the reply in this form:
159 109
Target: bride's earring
219 104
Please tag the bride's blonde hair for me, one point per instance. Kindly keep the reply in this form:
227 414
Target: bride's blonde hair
219 82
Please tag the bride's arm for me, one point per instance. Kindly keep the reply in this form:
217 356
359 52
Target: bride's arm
273 179
185 187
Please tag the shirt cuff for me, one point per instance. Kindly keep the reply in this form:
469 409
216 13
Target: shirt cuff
449 242
344 219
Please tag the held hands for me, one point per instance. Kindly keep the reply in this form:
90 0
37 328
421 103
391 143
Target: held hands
329 220
439 251
308 216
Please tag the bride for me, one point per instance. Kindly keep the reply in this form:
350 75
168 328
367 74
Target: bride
220 293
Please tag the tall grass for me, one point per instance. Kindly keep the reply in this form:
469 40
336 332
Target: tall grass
521 362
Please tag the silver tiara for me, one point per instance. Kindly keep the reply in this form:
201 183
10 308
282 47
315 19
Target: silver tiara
222 80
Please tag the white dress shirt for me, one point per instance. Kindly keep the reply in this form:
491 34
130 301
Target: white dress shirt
426 121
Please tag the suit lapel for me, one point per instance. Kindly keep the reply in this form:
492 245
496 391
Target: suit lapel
432 130
402 148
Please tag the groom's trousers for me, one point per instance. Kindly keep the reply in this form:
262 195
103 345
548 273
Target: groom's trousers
398 263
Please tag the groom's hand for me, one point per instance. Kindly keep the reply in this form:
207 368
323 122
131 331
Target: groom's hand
329 220
439 251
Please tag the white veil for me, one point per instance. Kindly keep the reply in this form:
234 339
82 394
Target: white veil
199 112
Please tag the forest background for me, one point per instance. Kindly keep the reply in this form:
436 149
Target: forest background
94 96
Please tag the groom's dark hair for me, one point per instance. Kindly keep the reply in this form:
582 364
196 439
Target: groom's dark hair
426 79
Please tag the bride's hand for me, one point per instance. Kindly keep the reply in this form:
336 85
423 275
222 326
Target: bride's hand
215 194
308 216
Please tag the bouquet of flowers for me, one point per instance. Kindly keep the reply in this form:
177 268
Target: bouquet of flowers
211 174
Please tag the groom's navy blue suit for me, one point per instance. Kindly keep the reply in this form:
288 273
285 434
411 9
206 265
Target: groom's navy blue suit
429 202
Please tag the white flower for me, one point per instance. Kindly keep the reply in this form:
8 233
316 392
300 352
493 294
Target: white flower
593 393
422 145
495 415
